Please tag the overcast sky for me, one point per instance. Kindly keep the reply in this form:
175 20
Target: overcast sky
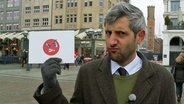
159 9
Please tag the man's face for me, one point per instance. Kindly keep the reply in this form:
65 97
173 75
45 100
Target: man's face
121 41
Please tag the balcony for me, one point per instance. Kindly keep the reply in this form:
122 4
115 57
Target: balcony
177 27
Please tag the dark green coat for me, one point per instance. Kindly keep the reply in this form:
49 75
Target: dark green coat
94 85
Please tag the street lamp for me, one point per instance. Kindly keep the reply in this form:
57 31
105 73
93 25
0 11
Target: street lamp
93 34
26 47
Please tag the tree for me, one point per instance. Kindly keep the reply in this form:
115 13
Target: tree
168 21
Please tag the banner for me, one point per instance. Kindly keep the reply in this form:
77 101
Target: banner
46 44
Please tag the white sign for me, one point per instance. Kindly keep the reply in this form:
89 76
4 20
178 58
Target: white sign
47 44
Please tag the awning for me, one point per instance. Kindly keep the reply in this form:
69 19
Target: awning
15 36
2 35
6 36
81 35
20 36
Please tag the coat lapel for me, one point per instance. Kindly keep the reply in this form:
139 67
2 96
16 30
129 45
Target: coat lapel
105 82
143 84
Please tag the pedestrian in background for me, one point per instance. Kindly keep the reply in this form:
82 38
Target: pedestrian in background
178 74
123 76
24 57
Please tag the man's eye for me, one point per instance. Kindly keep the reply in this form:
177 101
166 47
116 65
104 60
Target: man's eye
108 33
121 33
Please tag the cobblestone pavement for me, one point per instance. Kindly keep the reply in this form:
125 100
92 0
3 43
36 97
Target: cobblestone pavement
17 85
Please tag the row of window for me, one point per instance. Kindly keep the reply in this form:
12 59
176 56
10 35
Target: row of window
37 9
10 27
71 18
58 3
10 3
36 22
10 15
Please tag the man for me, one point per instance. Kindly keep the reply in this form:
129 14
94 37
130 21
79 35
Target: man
122 72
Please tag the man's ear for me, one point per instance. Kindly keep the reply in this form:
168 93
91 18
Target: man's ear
140 36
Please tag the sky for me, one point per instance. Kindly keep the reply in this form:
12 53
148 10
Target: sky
159 9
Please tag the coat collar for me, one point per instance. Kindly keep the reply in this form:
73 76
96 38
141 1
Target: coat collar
143 84
105 81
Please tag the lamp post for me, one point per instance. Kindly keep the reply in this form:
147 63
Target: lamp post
26 47
93 34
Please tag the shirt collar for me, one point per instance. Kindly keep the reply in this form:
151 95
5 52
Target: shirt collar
133 67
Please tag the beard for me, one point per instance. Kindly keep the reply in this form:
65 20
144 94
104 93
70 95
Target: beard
122 56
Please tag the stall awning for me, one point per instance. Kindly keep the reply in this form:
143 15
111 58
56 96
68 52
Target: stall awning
11 36
15 36
81 35
20 37
6 36
2 35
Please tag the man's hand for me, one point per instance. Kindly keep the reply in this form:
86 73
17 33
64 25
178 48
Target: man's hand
49 69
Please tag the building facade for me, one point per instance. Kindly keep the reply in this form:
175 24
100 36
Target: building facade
173 32
10 15
50 15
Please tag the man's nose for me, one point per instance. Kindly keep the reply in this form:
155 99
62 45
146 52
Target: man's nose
112 39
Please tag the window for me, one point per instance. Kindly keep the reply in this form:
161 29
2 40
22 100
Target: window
16 15
75 3
87 17
8 26
90 17
174 21
36 22
9 15
15 26
75 18
36 9
101 18
1 26
59 4
1 4
71 18
101 2
175 5
27 22
68 3
58 19
16 2
67 18
45 8
27 10
45 21
9 3
88 3
1 15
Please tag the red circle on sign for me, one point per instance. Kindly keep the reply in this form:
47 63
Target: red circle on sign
51 47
